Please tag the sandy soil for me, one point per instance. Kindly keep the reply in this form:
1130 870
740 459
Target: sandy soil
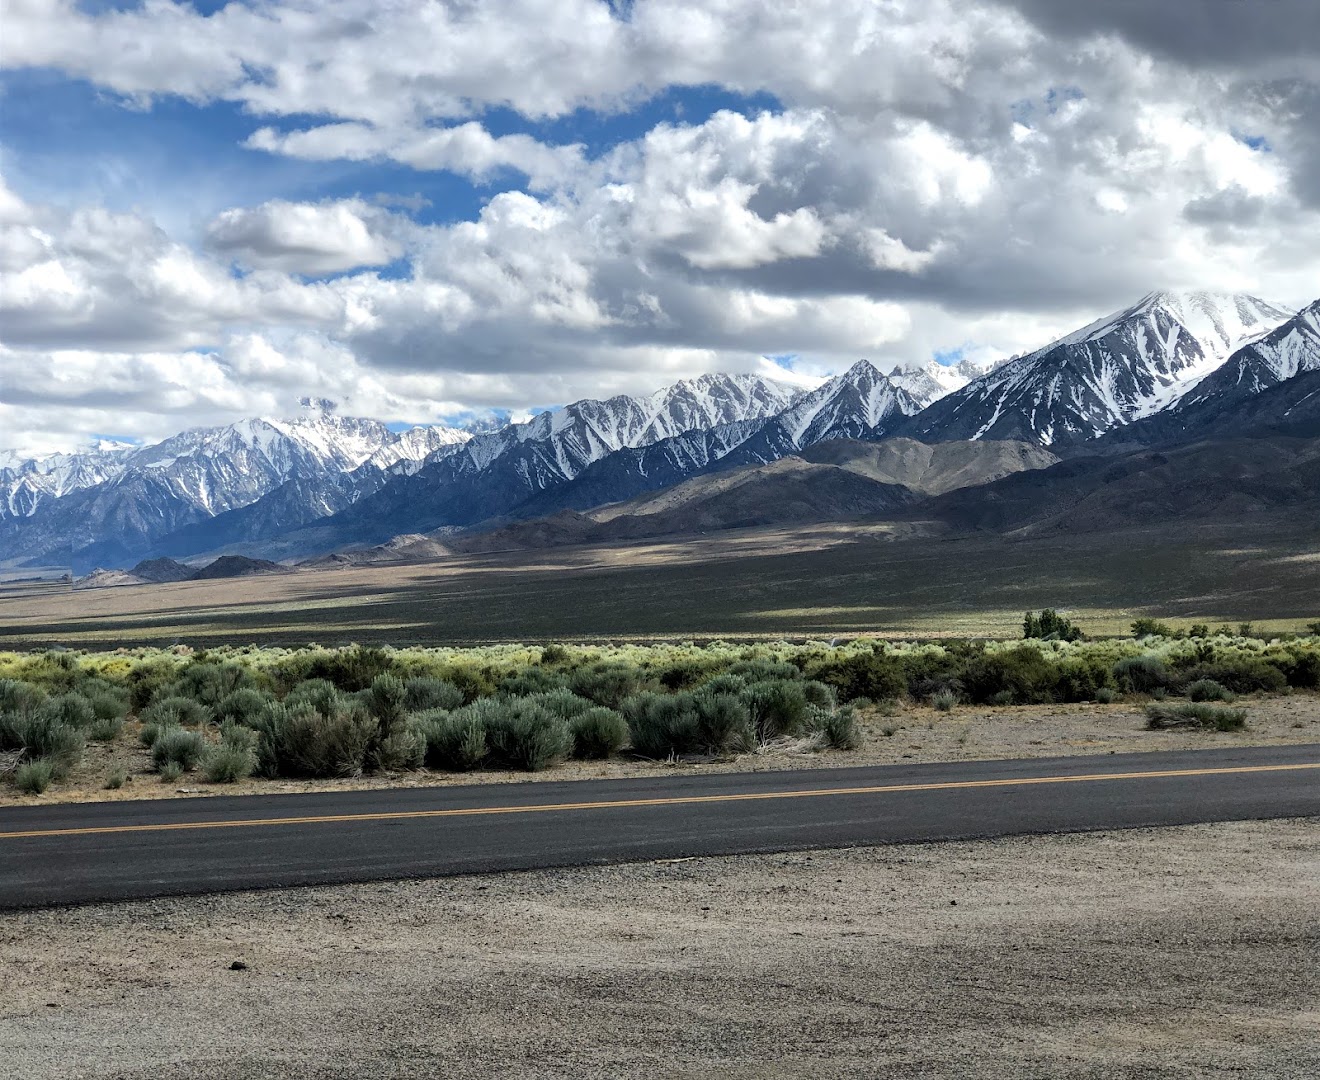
910 735
1185 952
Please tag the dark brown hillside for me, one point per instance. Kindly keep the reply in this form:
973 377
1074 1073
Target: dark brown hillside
1219 481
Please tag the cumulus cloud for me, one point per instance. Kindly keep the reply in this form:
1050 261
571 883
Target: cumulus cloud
467 149
930 175
305 239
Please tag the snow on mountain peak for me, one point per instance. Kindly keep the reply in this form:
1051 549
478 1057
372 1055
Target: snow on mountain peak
1219 323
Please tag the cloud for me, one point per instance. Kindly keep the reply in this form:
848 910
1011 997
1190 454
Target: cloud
467 149
1220 33
923 176
305 239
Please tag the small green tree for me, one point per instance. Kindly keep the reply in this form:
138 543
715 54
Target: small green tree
1049 625
1142 628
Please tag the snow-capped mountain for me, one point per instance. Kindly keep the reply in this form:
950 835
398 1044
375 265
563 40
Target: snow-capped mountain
1288 350
292 488
412 448
25 483
126 498
567 440
862 403
254 480
1130 365
494 473
928 383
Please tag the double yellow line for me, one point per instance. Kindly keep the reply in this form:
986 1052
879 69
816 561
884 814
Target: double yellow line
618 804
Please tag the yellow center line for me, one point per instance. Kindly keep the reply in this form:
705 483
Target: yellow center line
678 800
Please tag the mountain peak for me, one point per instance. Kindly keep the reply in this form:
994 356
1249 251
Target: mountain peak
1219 322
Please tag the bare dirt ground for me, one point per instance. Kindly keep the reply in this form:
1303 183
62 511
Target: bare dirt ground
1187 952
912 734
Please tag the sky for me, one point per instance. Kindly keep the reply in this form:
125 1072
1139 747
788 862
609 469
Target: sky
423 209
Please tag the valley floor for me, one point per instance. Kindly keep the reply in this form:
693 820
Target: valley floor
840 579
905 734
1150 953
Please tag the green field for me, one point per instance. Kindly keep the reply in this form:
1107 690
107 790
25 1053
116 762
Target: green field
819 582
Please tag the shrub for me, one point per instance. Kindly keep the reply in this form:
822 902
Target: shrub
151 732
321 694
386 698
183 748
607 684
403 748
116 779
1023 671
726 684
227 764
19 700
148 679
839 729
34 777
1197 715
1242 674
554 654
1300 668
11 731
778 707
724 723
351 669
72 709
1049 625
1198 630
662 725
1082 678
1209 690
1144 628
532 681
211 683
170 772
684 674
108 704
523 735
763 670
106 730
300 741
874 675
1140 674
455 741
473 685
562 703
1004 697
945 700
819 694
1106 695
422 693
598 733
175 711
44 736
242 706
239 736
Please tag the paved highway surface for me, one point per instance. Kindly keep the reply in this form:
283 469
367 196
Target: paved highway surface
113 851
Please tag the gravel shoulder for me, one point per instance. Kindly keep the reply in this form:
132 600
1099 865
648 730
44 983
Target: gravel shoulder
1148 953
908 735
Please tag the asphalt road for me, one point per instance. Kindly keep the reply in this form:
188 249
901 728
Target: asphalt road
112 851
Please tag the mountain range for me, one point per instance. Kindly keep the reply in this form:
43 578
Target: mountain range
1172 367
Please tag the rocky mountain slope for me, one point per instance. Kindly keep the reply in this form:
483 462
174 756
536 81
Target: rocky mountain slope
1122 368
116 505
1173 367
839 480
